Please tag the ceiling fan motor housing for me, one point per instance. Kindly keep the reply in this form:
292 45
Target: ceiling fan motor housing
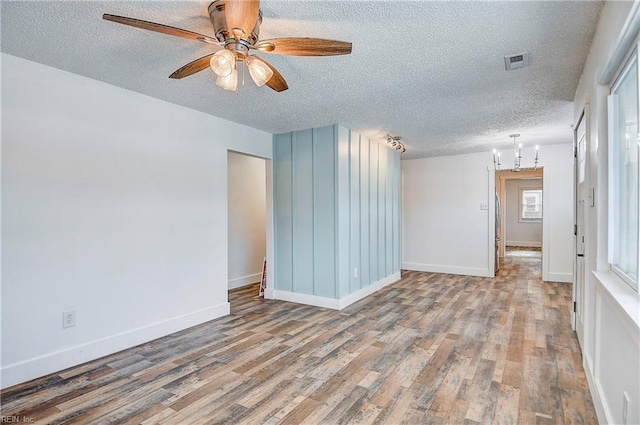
225 34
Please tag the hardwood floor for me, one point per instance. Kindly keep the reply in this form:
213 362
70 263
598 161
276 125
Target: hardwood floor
522 248
523 251
430 349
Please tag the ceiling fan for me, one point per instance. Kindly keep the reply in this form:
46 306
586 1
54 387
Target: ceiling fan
236 24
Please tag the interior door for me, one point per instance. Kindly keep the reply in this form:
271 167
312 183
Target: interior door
581 196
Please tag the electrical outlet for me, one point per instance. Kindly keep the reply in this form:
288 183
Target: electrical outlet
355 273
68 319
484 206
625 408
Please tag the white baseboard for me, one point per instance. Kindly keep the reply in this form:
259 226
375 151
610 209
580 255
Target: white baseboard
524 244
239 282
559 277
269 293
433 268
334 303
54 362
368 290
315 300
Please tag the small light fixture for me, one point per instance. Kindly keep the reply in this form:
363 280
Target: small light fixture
259 71
394 142
496 159
223 63
517 153
229 82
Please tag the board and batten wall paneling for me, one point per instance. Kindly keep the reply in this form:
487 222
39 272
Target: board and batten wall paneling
382 197
338 214
355 247
373 211
283 211
324 220
343 211
303 212
365 219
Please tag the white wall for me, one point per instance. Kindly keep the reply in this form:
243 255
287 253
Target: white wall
520 233
557 210
113 205
247 218
444 229
611 310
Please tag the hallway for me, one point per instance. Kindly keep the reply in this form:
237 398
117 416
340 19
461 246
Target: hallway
432 348
523 251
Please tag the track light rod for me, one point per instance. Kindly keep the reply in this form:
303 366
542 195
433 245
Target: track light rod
394 142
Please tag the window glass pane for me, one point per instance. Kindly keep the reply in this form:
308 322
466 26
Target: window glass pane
531 208
625 175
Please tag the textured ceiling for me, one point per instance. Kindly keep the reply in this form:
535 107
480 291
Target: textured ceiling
430 72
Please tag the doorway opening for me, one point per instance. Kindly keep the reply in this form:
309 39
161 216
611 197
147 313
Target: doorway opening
519 212
247 227
581 200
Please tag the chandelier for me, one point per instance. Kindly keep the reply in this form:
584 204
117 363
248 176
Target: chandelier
517 153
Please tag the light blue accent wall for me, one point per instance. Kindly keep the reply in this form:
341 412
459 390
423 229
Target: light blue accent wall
337 209
365 257
354 203
343 211
373 211
382 202
324 217
283 210
303 212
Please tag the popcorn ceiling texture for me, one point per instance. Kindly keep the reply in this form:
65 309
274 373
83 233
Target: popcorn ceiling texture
430 72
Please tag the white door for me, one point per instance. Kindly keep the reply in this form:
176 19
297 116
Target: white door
581 196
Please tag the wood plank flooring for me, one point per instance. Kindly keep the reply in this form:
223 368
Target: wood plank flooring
430 349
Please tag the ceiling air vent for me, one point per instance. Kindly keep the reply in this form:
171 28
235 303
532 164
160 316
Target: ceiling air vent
517 61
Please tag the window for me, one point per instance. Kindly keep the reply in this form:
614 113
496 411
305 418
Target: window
530 205
623 174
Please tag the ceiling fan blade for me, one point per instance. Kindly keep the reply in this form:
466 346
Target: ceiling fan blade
192 67
304 47
242 14
276 82
164 29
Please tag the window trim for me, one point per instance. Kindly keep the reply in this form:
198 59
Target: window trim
521 190
612 112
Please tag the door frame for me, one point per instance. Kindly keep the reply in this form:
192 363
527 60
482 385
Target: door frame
269 225
578 259
501 186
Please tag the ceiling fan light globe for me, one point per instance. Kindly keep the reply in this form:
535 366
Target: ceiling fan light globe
223 63
228 82
259 71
